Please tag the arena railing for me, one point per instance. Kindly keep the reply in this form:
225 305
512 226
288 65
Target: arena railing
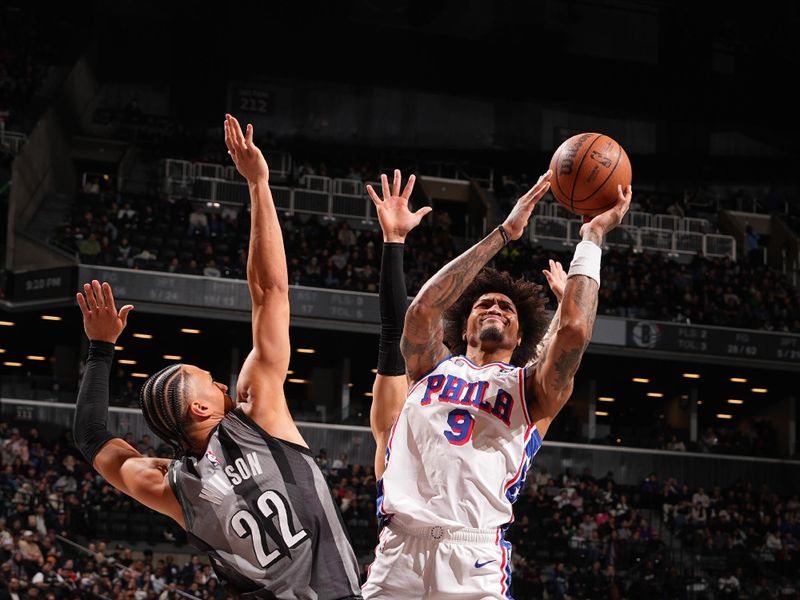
652 239
629 465
314 194
13 140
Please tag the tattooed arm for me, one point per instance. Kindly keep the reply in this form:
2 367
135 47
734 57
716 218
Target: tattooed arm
550 379
423 332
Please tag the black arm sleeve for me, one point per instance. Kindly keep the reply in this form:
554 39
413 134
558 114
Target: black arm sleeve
91 411
393 301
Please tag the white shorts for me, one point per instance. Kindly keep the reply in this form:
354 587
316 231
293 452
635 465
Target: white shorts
434 563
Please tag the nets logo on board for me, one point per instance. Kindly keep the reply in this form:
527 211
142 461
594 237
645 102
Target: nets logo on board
646 335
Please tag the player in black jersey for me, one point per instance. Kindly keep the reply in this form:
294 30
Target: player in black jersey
245 487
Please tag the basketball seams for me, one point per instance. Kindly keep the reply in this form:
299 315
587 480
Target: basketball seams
578 170
600 187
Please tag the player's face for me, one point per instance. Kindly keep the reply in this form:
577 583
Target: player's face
493 320
212 392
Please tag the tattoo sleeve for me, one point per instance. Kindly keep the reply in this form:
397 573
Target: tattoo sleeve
541 348
421 343
563 347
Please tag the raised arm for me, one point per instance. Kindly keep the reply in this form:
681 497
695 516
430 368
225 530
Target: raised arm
557 279
141 478
261 380
421 343
391 385
550 379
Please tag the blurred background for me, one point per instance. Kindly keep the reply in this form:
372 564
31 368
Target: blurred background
673 472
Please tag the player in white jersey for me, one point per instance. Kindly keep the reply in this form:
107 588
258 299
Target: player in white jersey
476 414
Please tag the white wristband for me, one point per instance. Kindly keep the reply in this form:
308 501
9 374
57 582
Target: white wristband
586 261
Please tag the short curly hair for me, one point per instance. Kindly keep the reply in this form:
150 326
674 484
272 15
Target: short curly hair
527 298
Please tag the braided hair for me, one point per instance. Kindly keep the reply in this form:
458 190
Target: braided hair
162 402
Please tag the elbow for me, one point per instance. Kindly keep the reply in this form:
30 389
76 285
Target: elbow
262 293
577 330
420 310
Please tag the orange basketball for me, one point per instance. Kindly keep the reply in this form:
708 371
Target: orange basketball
587 169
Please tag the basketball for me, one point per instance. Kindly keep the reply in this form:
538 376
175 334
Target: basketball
587 168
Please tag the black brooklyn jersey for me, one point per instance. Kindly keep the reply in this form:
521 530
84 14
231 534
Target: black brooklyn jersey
262 510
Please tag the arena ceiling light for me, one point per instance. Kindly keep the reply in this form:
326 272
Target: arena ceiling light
118 348
189 330
691 375
368 394
50 318
374 370
640 380
290 372
699 402
735 401
35 357
172 357
11 363
306 350
2 350
655 394
143 336
601 413
605 398
293 380
759 390
126 361
738 380
724 416
6 323
140 375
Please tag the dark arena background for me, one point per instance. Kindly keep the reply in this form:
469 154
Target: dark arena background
673 471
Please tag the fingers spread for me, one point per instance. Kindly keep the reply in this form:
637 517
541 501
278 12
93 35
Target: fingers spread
98 293
385 186
90 299
375 199
109 295
409 187
396 183
423 211
123 313
82 304
249 137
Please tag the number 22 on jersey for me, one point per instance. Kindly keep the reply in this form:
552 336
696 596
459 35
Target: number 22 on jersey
245 524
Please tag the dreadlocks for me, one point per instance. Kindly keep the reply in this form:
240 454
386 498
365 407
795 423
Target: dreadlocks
162 403
527 299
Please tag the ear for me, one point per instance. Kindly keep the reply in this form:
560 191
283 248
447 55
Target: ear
199 408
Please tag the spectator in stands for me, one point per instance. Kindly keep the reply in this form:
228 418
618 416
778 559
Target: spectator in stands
90 248
198 223
675 444
346 236
753 241
211 270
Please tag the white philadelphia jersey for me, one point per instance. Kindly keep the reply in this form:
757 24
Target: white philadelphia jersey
459 451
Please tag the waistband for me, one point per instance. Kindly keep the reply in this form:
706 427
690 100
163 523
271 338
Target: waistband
440 533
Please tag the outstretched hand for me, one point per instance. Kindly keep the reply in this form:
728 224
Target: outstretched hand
249 160
556 279
518 218
601 224
395 217
101 321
